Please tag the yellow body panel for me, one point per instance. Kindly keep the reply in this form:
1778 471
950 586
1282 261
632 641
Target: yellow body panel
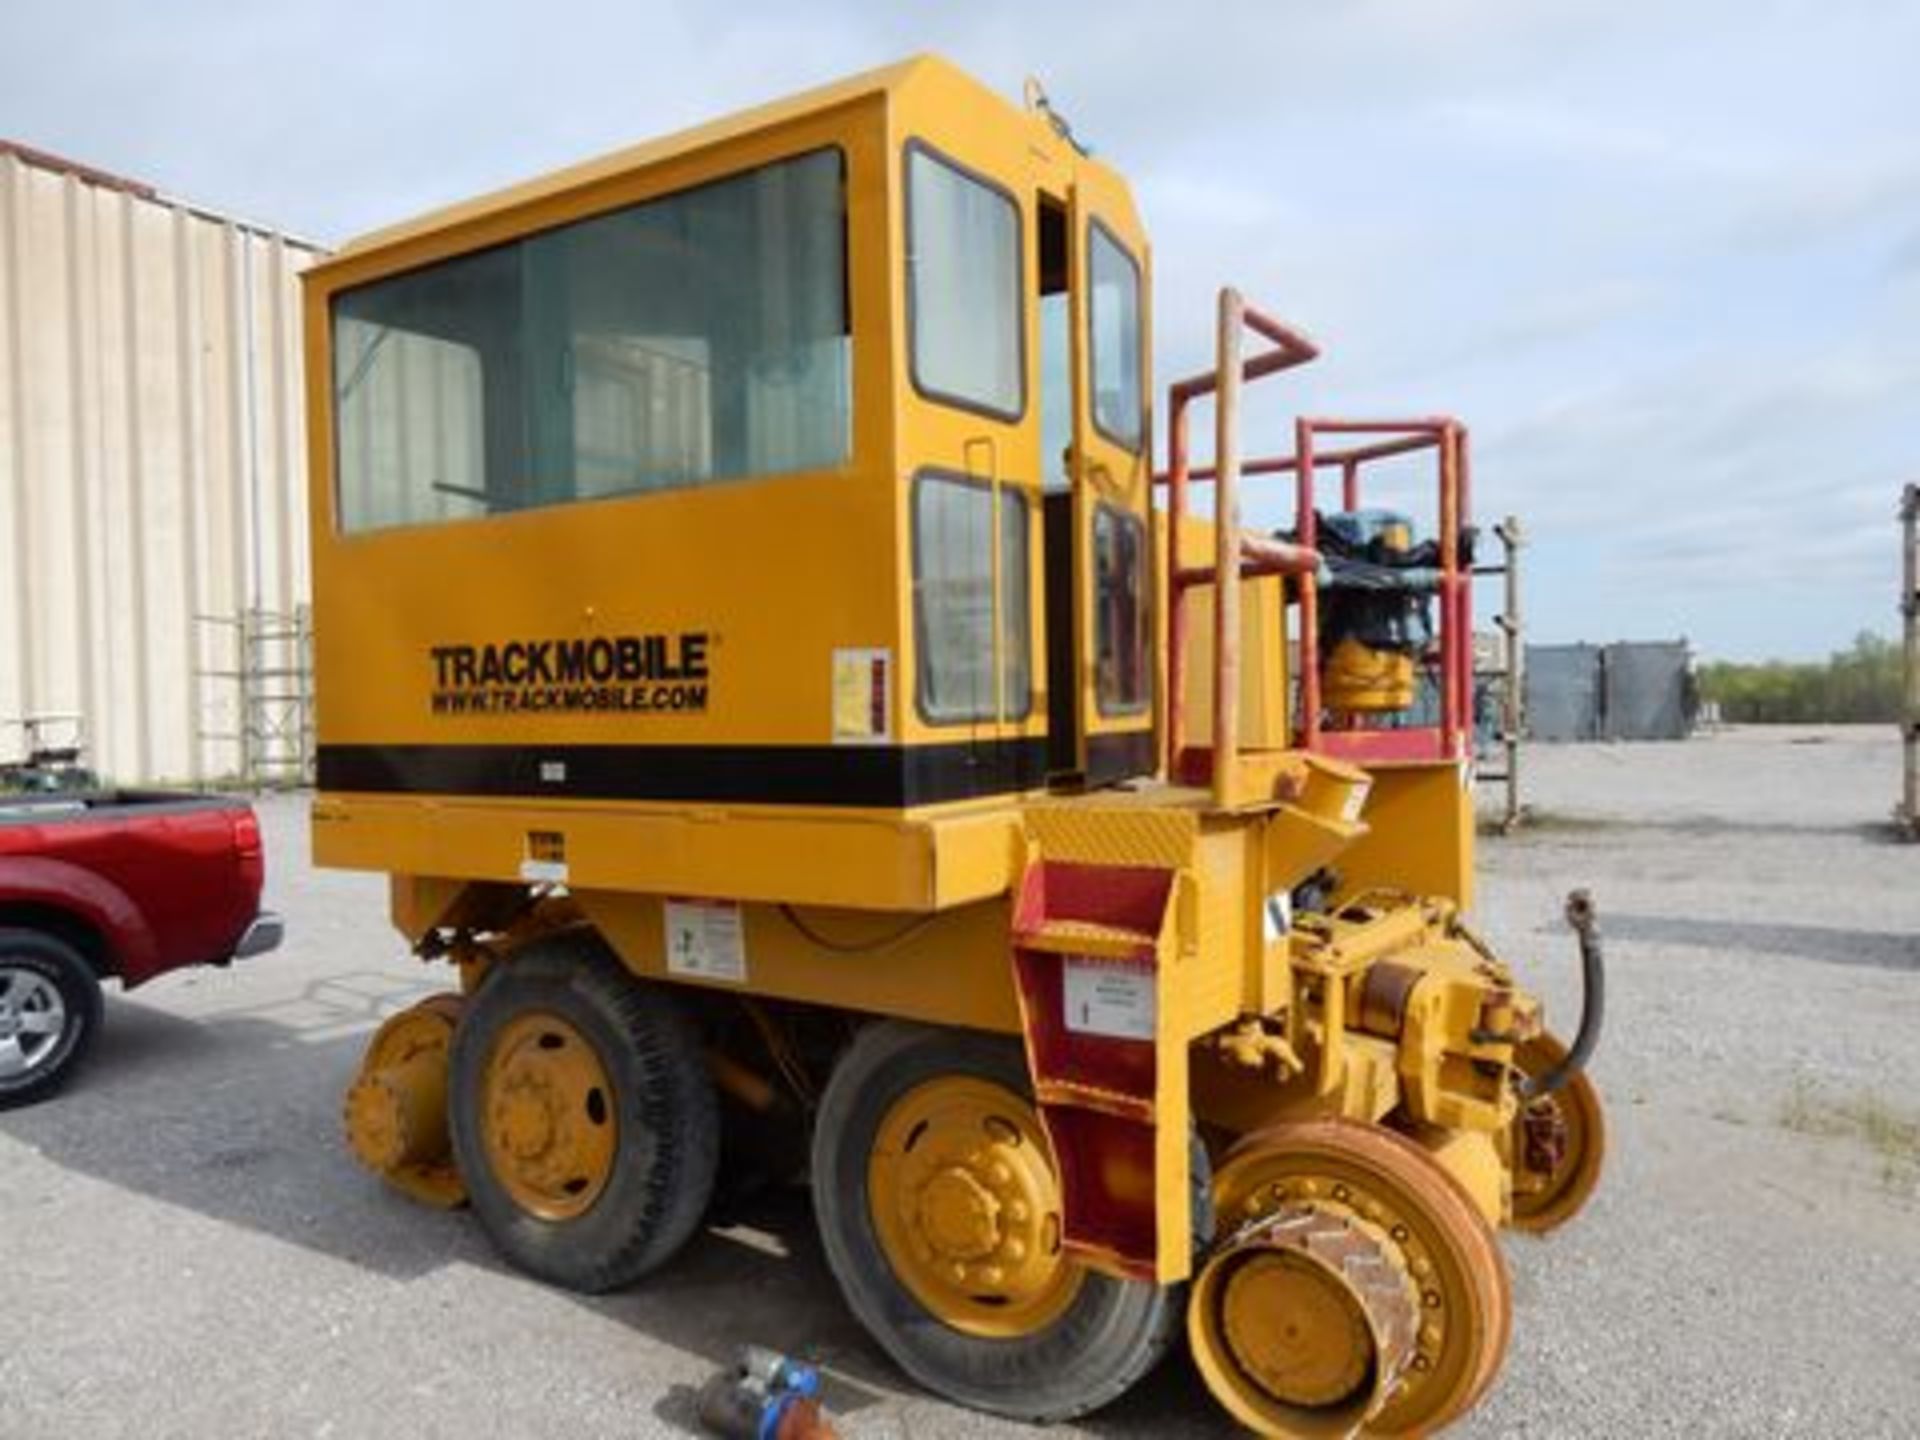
879 860
1419 834
949 968
1265 720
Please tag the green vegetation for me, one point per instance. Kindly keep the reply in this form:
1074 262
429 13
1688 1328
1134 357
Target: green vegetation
1861 684
1891 1134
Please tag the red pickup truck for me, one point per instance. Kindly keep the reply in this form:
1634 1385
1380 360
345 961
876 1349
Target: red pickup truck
120 885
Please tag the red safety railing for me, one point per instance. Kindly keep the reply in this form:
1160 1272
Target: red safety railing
1235 555
1246 556
1447 438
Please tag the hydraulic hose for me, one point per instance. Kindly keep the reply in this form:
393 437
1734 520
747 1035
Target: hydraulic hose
1593 1001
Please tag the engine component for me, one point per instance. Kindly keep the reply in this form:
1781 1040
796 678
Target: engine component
1378 586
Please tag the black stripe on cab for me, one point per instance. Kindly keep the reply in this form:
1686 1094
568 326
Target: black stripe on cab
877 776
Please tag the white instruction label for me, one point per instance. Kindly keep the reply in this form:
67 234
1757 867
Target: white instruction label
1112 1000
1356 801
705 940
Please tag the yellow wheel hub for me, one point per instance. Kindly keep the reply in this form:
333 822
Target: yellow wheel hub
1297 1328
548 1117
966 1206
1303 1321
396 1110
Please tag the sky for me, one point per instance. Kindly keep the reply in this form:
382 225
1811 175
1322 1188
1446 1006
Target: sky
1663 258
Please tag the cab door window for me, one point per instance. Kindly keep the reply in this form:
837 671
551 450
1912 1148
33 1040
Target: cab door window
1113 339
1121 619
963 288
953 600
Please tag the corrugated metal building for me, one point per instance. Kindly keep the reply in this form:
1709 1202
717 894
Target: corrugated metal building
152 460
1563 692
1630 690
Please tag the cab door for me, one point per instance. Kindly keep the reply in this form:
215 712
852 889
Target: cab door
1112 479
969 437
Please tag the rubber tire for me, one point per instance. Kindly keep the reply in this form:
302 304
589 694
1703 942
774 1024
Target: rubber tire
1112 1335
79 989
669 1145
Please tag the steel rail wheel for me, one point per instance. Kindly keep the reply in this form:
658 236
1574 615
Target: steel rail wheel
1354 1289
940 1208
1557 1145
396 1109
583 1118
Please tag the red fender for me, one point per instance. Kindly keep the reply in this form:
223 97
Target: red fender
131 952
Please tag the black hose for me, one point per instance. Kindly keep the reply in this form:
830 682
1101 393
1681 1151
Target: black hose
1593 1005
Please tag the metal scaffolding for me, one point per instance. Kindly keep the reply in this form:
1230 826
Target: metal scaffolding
271 675
1509 675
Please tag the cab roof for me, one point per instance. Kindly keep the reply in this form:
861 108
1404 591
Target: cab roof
885 81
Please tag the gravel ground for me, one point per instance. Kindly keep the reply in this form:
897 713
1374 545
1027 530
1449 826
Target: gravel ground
188 1250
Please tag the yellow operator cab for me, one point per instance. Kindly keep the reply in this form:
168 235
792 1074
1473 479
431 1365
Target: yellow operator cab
675 488
742 627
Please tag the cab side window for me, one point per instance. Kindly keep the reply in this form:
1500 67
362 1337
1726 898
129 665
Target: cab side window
963 288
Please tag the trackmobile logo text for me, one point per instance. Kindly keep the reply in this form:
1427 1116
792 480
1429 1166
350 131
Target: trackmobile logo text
626 673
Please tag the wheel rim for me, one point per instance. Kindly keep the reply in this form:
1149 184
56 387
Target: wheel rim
33 1016
967 1208
1548 1195
548 1118
1390 1191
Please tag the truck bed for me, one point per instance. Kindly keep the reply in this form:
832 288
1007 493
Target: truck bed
51 808
158 880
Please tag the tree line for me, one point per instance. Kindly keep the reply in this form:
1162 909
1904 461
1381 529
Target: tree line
1859 684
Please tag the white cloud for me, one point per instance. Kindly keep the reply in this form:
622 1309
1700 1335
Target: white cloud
1665 259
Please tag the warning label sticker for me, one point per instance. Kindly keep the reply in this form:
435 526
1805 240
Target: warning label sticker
705 940
1112 1000
861 698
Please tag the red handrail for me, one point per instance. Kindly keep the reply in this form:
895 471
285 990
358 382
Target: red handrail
1238 557
1289 348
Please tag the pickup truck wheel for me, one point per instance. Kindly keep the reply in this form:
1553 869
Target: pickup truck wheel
583 1117
50 1007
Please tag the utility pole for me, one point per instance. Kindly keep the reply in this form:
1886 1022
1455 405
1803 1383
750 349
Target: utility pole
1907 816
1510 671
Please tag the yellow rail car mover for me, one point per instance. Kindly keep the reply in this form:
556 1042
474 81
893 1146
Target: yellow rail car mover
752 635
